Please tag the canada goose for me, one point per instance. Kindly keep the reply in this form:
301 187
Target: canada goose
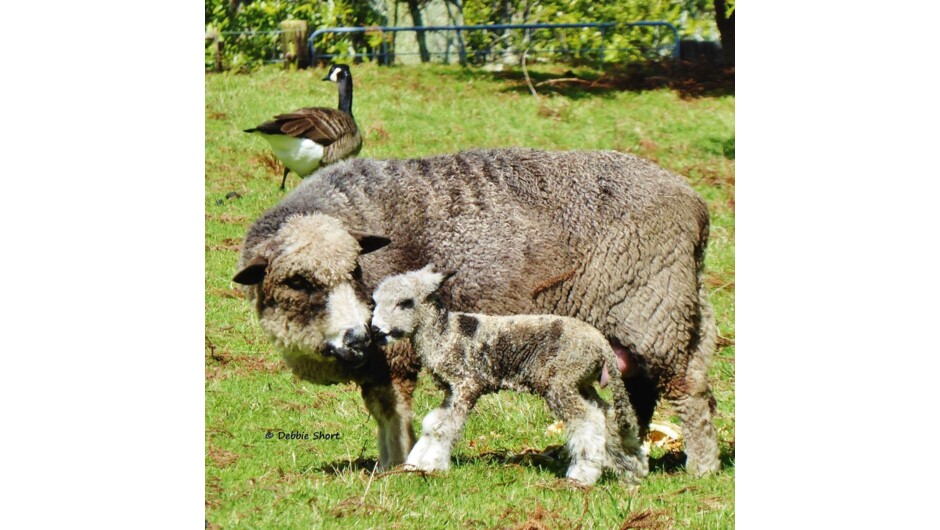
313 136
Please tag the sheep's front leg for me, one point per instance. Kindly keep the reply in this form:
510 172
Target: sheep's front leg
390 405
440 431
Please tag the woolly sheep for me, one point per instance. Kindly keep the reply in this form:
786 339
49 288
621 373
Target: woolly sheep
471 355
605 237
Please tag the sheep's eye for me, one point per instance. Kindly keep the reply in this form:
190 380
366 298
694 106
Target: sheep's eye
299 283
406 304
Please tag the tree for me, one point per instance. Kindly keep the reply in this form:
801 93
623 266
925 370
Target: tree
414 6
724 18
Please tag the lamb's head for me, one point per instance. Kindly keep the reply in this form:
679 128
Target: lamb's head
404 301
307 287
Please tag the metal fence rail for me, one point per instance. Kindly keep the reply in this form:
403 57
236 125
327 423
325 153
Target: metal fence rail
267 44
384 53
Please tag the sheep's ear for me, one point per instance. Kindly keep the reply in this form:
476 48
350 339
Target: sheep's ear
369 242
446 275
253 272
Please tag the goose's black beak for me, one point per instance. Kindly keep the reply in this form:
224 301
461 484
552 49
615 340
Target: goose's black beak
327 78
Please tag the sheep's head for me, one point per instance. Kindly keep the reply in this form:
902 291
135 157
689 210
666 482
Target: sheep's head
308 290
402 301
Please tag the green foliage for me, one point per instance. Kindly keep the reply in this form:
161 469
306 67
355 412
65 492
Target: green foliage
624 43
258 21
694 18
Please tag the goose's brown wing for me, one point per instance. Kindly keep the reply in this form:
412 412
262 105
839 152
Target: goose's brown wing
323 126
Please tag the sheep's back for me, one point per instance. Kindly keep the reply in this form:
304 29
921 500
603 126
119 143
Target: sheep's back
603 236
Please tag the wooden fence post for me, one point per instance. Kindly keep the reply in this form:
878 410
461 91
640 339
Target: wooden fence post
213 35
294 43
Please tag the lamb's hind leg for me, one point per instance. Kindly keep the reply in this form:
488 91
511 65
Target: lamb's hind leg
586 427
624 449
441 429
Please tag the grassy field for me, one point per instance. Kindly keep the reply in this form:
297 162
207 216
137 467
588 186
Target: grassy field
507 472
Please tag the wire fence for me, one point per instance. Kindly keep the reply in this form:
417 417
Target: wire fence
469 44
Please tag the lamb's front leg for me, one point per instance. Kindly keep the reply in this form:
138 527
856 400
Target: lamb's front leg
440 431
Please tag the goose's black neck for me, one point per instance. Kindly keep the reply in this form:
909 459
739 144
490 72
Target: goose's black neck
345 94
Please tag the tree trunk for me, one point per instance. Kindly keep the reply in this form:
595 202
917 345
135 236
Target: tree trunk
726 28
456 19
419 35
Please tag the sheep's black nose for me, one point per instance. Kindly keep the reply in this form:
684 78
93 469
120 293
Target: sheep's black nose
378 337
355 342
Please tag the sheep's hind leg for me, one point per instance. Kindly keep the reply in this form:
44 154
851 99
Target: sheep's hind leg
692 398
700 437
440 430
587 442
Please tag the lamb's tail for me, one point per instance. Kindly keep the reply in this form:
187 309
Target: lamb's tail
624 447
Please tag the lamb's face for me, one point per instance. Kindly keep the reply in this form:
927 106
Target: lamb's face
398 302
308 290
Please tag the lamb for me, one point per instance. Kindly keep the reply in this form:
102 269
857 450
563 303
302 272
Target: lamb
471 355
605 237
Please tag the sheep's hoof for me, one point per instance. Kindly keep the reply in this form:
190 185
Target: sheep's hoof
699 469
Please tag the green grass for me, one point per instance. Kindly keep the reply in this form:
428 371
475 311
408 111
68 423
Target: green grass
254 482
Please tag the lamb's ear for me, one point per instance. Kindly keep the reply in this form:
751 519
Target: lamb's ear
253 272
369 242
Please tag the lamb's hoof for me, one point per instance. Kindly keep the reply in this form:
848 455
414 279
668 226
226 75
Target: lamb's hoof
578 484
431 466
428 465
429 456
425 467
583 475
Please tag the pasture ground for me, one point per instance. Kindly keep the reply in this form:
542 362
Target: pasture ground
507 472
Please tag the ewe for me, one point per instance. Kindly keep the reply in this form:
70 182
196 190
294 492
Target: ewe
608 238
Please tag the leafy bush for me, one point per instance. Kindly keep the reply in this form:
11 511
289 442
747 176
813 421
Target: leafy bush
249 28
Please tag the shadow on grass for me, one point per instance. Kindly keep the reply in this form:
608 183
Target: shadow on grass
674 462
553 458
690 80
345 466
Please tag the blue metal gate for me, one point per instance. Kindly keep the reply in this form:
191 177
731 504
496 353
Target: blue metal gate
384 53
